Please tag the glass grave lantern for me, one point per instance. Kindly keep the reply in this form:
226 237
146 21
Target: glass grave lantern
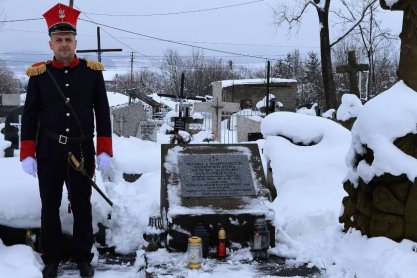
195 252
260 240
154 233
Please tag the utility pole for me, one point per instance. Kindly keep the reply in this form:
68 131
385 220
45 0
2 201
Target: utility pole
131 91
99 50
268 73
181 93
131 68
71 3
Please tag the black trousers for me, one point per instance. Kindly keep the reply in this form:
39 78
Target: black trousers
52 175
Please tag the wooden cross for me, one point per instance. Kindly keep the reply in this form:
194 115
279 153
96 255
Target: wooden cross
408 57
99 50
352 68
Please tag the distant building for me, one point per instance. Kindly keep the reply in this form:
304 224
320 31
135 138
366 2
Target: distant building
8 102
248 92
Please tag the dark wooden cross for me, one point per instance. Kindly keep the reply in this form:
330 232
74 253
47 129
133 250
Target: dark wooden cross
408 57
352 68
99 50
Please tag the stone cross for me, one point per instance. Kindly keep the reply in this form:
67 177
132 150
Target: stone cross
121 120
217 108
408 57
352 68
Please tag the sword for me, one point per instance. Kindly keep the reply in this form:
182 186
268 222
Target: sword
72 160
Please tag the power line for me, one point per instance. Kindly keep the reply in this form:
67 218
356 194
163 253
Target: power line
117 39
202 42
147 56
181 12
18 20
176 42
165 40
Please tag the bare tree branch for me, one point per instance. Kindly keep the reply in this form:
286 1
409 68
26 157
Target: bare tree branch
364 13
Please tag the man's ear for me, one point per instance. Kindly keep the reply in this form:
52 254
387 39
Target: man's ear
50 45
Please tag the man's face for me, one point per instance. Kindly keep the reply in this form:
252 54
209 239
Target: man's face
63 45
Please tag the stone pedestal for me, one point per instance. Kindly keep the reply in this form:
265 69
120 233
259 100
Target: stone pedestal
387 205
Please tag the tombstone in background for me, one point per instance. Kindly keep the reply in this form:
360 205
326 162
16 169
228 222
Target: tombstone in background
352 69
126 120
11 130
147 131
246 126
186 122
218 109
8 102
214 185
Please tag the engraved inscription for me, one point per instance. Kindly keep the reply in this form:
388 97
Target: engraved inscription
215 175
147 131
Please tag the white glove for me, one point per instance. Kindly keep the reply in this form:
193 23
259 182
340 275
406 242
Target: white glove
103 161
30 166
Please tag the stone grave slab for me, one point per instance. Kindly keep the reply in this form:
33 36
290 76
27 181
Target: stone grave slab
147 131
245 126
126 120
217 185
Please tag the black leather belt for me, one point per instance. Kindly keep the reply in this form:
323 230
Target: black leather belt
62 139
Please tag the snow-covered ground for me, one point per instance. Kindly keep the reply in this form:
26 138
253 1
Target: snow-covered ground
308 181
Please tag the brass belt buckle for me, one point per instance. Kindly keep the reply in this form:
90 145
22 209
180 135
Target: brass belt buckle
63 139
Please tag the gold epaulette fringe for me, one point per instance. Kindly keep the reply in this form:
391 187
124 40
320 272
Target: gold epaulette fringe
36 69
95 65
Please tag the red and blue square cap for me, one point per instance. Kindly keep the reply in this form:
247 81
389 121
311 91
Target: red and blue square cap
61 18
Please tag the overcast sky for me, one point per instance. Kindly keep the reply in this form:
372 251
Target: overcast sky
245 28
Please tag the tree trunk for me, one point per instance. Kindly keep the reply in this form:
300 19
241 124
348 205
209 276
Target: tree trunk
326 59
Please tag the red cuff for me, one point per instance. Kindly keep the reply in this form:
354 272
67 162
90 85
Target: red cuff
27 148
104 145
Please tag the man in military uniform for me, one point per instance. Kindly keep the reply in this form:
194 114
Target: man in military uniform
63 97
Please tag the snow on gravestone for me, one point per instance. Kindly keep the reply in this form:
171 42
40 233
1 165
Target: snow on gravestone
213 184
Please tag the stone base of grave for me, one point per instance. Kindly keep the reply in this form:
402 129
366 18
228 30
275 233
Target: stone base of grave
238 227
348 124
10 236
387 205
9 152
275 266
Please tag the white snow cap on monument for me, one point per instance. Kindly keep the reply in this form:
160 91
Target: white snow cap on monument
390 2
350 107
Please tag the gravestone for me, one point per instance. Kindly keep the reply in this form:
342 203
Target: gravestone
352 69
218 109
8 102
147 131
214 185
179 123
246 126
126 120
11 130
